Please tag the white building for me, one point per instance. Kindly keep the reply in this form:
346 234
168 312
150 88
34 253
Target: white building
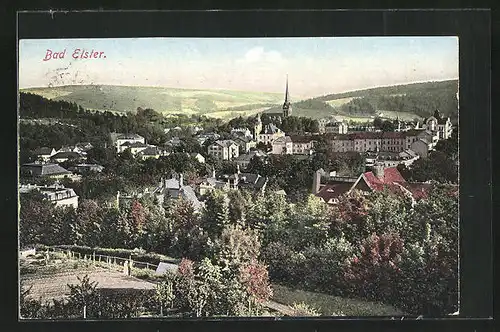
118 140
336 128
282 145
57 194
224 149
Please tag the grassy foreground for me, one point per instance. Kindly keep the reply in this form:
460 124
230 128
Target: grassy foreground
329 305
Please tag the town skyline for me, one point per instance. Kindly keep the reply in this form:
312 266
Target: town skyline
252 64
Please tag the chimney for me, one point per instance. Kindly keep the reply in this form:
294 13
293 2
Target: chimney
316 182
181 180
378 171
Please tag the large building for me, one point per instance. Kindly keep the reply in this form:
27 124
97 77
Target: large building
224 149
269 133
380 141
53 171
57 194
439 124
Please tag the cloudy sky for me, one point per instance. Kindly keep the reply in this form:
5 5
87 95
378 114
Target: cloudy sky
315 66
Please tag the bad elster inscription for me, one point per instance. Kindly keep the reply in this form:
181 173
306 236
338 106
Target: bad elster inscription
77 53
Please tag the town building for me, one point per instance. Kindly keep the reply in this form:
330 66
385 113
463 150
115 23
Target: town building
282 145
302 144
224 150
238 181
245 143
84 168
238 132
439 124
49 170
336 128
330 187
118 140
57 194
269 133
243 160
44 153
61 157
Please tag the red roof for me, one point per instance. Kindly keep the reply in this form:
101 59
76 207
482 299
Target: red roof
419 190
391 179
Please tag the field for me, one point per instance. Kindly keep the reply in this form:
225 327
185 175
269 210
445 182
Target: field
50 281
329 305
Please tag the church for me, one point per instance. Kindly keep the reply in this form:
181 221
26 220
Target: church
286 110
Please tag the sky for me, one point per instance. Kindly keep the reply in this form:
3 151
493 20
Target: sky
315 66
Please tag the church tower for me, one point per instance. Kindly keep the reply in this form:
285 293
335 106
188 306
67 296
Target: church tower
257 128
287 107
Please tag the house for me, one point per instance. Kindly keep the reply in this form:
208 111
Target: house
336 128
150 152
393 159
83 168
136 147
175 188
224 149
57 194
421 147
282 145
243 160
322 125
440 125
61 157
302 144
238 132
269 133
379 179
83 146
211 183
44 153
118 140
53 171
245 143
198 157
333 188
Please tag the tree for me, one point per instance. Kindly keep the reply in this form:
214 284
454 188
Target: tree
84 295
255 277
165 294
387 126
215 213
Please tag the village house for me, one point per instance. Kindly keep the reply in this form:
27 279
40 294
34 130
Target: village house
330 187
438 124
282 145
44 153
245 143
322 125
118 140
150 152
302 144
198 157
393 159
84 168
49 170
57 194
243 160
61 157
269 133
168 189
224 149
239 180
238 132
202 138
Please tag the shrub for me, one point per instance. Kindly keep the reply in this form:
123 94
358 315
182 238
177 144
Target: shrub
302 309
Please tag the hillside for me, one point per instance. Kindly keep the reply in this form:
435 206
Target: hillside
164 100
407 101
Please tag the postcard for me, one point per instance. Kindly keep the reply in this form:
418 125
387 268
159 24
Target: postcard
238 177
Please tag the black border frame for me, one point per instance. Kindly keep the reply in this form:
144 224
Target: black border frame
472 27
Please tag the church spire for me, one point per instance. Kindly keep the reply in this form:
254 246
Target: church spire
287 108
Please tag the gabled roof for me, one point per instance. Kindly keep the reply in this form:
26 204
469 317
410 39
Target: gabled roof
150 151
225 143
138 145
188 193
43 151
283 140
333 190
390 178
67 154
129 136
48 169
270 129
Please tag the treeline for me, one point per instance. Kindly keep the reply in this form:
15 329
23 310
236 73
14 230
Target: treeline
376 247
92 127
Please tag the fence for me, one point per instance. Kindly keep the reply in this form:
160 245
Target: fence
110 260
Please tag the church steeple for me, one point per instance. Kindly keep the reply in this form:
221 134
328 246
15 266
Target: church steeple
287 107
